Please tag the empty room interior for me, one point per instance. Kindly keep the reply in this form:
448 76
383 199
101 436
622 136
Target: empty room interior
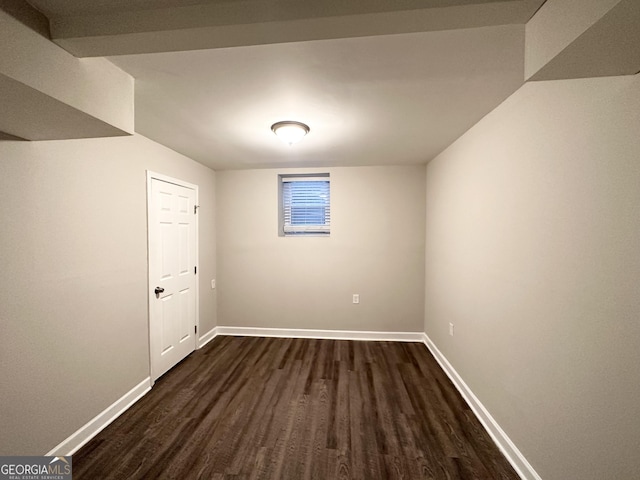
437 278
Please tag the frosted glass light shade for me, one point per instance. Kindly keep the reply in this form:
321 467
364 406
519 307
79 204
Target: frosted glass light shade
289 131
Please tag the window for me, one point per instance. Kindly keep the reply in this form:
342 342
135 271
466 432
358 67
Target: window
305 207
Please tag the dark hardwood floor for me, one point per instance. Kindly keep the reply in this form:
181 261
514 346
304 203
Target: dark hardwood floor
258 408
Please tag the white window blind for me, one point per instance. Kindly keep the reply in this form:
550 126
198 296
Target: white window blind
306 205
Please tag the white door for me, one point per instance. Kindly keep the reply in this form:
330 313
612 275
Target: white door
172 273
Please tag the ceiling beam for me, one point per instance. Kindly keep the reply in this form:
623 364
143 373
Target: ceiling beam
29 114
27 15
47 94
256 22
583 38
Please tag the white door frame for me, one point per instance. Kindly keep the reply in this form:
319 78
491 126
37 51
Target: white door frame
165 178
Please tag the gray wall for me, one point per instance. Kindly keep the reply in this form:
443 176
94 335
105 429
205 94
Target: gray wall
376 249
532 251
73 249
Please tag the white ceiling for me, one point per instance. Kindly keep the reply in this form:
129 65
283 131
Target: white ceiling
389 99
395 99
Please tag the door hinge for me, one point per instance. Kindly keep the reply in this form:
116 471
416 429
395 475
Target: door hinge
195 270
195 209
195 328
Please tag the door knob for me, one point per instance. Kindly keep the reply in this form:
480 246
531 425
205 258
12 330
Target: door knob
158 291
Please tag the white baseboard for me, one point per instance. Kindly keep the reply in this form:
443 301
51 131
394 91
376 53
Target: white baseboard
519 463
321 334
73 443
207 337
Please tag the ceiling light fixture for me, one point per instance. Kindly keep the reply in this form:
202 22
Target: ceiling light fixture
289 131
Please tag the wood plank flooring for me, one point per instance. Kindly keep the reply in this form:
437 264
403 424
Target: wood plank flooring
270 408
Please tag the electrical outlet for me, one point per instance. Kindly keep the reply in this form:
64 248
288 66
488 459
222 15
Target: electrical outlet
451 329
356 298
213 284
